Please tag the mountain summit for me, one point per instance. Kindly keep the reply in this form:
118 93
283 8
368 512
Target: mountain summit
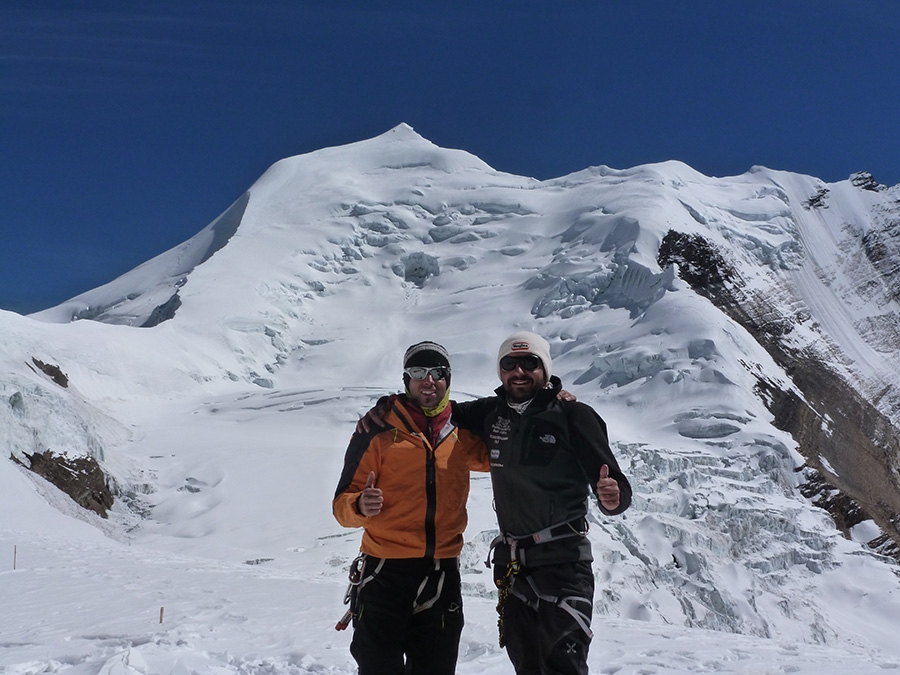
740 335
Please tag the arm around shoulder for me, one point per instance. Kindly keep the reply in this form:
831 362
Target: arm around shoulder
472 414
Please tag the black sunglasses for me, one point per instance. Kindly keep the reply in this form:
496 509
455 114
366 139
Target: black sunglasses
421 372
528 362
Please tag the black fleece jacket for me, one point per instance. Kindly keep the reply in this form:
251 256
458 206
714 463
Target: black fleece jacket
544 465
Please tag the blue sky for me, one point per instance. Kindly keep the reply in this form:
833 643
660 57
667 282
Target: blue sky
125 128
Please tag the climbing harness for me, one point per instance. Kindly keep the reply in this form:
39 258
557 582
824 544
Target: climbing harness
431 581
351 597
566 603
517 545
516 567
427 594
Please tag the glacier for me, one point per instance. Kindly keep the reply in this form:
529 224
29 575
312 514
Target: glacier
719 325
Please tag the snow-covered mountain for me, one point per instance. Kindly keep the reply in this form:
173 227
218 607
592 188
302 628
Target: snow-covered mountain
739 335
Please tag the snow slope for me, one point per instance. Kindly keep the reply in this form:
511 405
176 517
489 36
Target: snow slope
224 424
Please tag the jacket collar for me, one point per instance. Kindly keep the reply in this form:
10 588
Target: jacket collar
407 416
542 398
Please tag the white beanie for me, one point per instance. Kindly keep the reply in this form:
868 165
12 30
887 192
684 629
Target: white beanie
526 342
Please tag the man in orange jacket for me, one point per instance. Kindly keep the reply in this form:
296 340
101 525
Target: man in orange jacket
407 484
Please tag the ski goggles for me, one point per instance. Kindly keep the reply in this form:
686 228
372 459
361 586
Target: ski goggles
527 362
421 372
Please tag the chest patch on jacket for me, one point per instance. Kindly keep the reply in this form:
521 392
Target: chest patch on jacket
500 430
543 448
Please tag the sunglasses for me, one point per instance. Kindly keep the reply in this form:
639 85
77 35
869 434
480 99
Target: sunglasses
421 372
528 362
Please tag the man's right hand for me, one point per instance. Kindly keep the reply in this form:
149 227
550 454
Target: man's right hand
375 416
607 489
371 499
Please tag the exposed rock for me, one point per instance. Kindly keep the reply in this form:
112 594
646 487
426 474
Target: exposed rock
845 511
817 201
885 545
53 372
849 444
866 181
882 247
163 312
699 263
81 478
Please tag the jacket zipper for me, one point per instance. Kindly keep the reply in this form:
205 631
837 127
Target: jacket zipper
431 495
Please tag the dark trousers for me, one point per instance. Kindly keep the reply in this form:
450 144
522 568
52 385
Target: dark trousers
390 637
542 638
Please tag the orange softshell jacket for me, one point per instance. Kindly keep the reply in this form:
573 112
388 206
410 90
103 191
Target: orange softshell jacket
425 488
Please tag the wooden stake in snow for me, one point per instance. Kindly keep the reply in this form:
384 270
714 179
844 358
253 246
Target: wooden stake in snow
15 555
161 610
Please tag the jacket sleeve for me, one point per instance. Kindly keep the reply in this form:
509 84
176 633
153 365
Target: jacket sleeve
476 451
471 415
359 460
591 446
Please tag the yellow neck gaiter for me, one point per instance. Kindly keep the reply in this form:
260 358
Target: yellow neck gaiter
439 408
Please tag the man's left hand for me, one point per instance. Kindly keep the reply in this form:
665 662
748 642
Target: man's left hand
607 490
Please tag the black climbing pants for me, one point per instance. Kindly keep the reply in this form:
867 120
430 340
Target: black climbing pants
409 618
547 618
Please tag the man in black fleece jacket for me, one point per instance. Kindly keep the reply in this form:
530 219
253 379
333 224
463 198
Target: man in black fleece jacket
546 456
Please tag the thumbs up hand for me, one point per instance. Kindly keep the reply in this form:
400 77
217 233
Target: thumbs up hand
371 499
607 489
